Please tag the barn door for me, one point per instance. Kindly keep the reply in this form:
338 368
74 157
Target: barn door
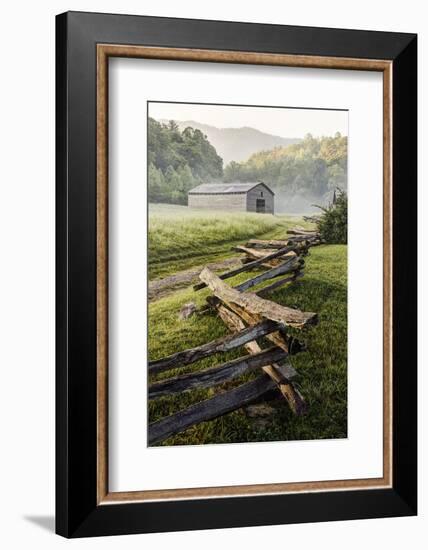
260 205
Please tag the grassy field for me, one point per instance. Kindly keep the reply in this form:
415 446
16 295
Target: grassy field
322 368
180 237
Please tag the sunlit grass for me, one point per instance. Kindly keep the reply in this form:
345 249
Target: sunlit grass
180 236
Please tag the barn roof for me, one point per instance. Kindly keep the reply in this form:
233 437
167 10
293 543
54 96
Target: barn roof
225 188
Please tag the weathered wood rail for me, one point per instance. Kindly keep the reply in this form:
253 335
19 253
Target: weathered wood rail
209 409
256 305
216 375
250 317
227 343
256 263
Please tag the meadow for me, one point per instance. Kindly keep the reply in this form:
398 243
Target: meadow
179 238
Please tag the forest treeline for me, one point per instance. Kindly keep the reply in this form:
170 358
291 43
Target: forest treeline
178 161
299 174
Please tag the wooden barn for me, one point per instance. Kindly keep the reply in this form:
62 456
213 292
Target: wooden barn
240 197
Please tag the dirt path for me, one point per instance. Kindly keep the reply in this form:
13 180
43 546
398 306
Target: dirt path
159 288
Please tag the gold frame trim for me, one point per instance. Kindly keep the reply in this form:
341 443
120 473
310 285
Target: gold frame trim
104 51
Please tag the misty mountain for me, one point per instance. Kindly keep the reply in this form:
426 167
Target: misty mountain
236 144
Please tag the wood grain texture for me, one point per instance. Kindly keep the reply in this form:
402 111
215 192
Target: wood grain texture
387 274
272 243
248 266
226 343
293 264
102 276
209 409
256 58
279 337
216 375
308 239
278 373
266 254
256 305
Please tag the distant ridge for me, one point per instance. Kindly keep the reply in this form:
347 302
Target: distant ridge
236 144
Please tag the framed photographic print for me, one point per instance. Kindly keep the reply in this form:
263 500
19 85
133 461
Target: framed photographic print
236 274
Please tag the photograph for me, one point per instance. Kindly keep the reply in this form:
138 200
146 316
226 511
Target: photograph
247 273
211 275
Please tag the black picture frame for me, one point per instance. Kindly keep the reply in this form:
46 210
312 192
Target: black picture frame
77 511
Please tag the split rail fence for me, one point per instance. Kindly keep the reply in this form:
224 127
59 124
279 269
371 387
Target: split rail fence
251 318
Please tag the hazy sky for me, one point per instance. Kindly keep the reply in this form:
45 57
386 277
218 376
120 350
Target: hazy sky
284 122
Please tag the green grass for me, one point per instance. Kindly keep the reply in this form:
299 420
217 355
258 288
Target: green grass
180 237
322 368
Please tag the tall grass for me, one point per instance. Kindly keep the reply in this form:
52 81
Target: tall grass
177 232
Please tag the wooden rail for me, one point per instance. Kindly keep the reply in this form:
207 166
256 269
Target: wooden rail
282 375
226 343
249 265
249 316
290 265
209 409
256 305
216 375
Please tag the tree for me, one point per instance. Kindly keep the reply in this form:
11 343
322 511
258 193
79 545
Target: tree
309 168
178 161
333 223
156 184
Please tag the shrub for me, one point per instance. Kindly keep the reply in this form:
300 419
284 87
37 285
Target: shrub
333 223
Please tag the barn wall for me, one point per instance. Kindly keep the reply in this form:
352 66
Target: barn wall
256 193
236 202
